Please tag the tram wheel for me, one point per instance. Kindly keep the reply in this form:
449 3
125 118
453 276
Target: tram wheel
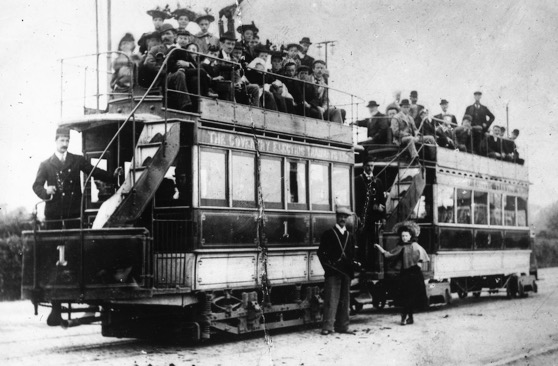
477 294
462 294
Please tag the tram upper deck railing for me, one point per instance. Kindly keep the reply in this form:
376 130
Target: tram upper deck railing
225 111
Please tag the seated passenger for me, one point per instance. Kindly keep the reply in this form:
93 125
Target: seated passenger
378 125
183 68
330 113
424 125
123 65
204 39
291 55
309 104
184 16
230 82
462 135
404 130
147 73
513 138
444 134
277 63
158 16
247 32
256 76
493 144
440 117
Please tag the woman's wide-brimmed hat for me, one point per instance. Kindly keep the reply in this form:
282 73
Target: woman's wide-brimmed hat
411 225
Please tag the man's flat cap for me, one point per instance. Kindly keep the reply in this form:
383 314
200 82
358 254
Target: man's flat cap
342 210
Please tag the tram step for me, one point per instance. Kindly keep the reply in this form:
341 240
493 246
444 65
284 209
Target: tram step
145 153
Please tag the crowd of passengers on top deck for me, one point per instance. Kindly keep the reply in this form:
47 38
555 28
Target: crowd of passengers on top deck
286 79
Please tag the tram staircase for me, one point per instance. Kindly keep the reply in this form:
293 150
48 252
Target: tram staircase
404 195
155 151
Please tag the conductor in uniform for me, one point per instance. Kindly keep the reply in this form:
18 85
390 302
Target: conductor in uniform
336 253
62 193
370 207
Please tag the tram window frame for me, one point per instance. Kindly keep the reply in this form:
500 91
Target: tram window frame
458 217
264 175
498 233
320 206
439 199
456 236
524 220
222 202
240 203
476 210
505 202
297 205
348 185
517 240
491 195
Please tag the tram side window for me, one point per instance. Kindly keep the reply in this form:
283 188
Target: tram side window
517 240
272 182
342 185
495 208
463 206
243 180
456 239
445 204
213 177
319 186
488 240
509 211
521 211
481 208
296 195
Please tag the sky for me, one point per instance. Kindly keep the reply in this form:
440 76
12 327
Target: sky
444 49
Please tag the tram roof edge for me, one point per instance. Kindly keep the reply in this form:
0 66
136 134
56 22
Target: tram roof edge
93 120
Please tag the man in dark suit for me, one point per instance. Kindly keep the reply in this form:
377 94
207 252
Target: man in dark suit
439 118
62 194
336 254
415 108
424 125
482 119
378 125
462 135
493 144
305 59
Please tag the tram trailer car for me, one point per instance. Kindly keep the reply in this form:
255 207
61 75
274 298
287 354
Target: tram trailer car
472 212
186 243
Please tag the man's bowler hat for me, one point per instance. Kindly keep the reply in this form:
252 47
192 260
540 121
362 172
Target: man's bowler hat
167 27
405 103
372 103
305 40
477 93
443 101
414 94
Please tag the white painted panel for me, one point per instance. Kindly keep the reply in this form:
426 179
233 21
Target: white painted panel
225 270
316 269
479 263
287 267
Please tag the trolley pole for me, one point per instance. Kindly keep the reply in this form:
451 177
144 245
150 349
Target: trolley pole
109 43
507 119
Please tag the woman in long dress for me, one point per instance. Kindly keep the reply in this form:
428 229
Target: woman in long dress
411 280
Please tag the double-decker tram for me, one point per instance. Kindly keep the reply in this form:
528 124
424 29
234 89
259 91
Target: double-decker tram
215 226
472 213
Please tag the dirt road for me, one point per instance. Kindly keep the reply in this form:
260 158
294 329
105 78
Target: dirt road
487 330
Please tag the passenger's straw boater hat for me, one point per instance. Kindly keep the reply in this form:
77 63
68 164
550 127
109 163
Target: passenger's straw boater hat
244 27
159 13
184 11
228 36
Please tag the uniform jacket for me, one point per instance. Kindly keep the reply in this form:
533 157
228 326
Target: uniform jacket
379 129
331 256
402 125
480 115
65 177
377 197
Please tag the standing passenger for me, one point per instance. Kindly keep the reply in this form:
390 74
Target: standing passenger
411 256
183 17
378 125
305 59
482 118
203 37
336 254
